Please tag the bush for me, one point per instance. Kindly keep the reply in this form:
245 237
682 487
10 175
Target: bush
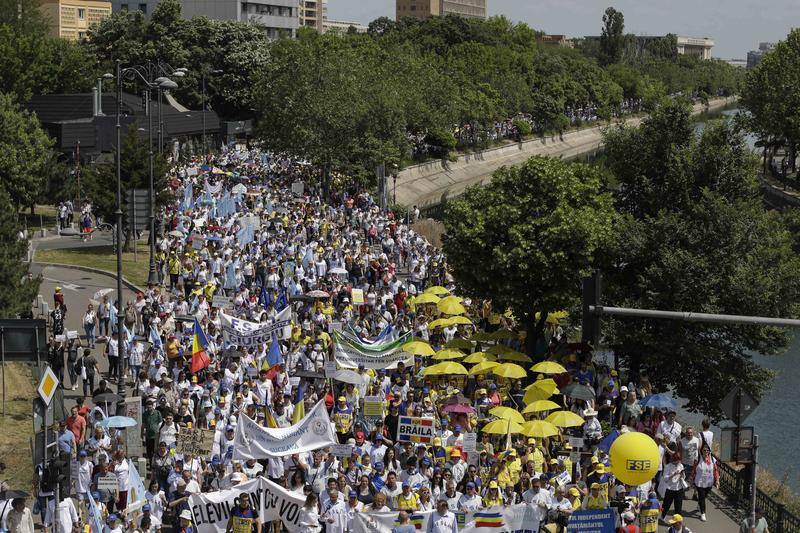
442 141
523 128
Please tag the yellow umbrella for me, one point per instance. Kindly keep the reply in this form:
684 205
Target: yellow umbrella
451 306
428 298
548 367
447 353
482 368
438 290
565 419
515 356
459 320
478 357
507 413
418 348
531 395
503 334
540 390
451 367
548 385
509 370
439 323
459 344
553 318
481 336
539 429
501 426
540 405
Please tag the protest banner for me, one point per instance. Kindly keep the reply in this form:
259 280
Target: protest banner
349 354
198 442
414 429
107 482
314 431
93 516
342 450
373 407
133 437
238 332
220 300
516 518
385 522
593 521
211 510
358 296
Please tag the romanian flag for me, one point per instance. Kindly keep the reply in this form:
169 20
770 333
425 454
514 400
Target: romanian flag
274 358
491 520
299 405
269 417
200 358
417 520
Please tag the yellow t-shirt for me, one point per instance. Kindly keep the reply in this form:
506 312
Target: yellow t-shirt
648 520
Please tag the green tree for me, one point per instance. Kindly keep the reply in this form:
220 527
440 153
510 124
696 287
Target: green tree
694 236
24 153
771 93
525 240
18 291
612 37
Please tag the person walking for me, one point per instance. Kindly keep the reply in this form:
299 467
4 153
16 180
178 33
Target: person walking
89 323
673 482
705 476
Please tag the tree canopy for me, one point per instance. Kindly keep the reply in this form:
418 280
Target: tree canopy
525 240
693 235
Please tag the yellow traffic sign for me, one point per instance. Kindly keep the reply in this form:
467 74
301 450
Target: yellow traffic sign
48 386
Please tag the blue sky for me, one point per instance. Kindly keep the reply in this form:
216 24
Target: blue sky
736 25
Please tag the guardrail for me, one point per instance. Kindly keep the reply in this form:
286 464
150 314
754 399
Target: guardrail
733 484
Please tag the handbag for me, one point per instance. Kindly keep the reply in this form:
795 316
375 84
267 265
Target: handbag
684 483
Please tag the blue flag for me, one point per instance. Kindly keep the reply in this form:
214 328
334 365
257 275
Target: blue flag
274 356
282 302
155 340
188 193
265 299
95 520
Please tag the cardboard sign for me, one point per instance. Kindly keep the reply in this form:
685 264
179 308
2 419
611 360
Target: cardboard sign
470 442
414 429
133 437
198 442
107 482
220 300
373 407
562 479
197 242
61 338
72 334
576 442
330 369
342 450
298 188
358 296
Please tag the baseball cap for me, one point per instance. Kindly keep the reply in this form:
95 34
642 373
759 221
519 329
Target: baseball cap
455 452
113 518
437 441
470 485
146 507
675 519
378 437
82 453
353 494
600 467
574 492
342 399
426 460
457 428
406 484
360 436
493 484
623 389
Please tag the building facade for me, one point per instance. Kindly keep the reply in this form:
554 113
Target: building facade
754 57
313 14
342 26
423 9
695 46
71 19
279 17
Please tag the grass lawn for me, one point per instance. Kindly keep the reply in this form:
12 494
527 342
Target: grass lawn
45 216
104 258
15 445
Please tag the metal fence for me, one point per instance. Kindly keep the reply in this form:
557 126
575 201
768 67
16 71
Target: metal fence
733 484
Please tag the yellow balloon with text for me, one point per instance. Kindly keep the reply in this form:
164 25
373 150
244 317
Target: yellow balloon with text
634 458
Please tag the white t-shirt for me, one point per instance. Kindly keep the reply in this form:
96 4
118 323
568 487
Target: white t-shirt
121 471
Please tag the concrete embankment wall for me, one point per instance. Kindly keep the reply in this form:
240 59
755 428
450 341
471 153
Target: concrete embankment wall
433 182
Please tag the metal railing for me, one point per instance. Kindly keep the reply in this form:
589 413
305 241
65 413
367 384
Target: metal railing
732 483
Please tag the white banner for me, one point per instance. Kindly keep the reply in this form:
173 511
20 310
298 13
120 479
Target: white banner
211 510
314 431
518 518
240 332
349 355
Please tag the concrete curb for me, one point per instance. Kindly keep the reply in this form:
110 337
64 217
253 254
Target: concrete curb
92 270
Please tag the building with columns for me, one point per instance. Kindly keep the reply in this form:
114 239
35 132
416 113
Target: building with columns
423 9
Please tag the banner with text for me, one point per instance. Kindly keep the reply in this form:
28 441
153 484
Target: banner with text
350 354
518 518
314 431
594 521
211 510
414 429
238 332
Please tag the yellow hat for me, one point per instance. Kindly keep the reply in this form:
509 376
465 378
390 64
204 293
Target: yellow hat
568 446
531 440
437 441
575 492
493 485
512 452
342 399
600 468
553 461
614 373
481 391
594 459
595 486
675 519
58 289
455 452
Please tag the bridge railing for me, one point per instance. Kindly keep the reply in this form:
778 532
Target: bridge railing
733 484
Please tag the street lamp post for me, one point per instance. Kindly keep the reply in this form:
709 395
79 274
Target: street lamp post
120 311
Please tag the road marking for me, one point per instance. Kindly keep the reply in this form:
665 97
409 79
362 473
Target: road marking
68 286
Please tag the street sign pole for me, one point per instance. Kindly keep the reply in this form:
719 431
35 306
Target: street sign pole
3 353
753 486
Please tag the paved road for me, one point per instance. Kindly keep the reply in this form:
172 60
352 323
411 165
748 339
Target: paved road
78 287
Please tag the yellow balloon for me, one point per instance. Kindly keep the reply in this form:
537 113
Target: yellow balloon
634 458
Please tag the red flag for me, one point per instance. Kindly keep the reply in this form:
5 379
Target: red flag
200 359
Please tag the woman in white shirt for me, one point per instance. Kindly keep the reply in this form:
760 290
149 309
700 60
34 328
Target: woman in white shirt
89 323
157 500
308 519
673 481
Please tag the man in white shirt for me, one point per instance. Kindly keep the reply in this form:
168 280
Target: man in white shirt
442 521
67 516
84 481
670 427
335 514
539 500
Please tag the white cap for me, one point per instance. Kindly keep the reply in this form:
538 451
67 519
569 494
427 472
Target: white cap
623 389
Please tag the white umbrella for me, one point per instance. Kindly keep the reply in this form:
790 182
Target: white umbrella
338 270
175 233
239 189
102 292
